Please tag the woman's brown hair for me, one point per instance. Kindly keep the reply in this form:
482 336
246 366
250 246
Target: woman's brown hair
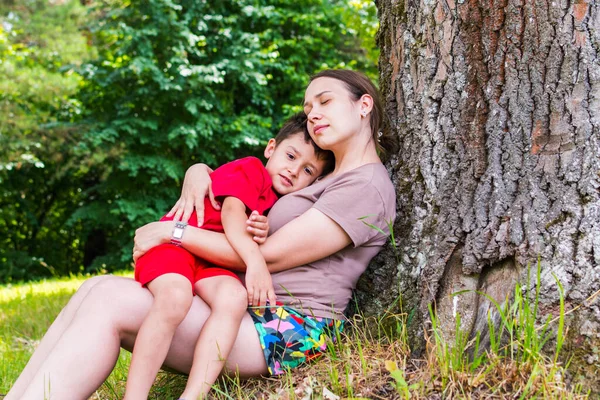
358 85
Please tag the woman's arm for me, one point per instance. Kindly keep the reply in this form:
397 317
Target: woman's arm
307 238
310 237
196 186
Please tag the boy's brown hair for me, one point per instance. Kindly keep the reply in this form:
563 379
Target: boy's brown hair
295 125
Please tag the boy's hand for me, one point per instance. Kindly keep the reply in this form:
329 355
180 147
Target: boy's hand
196 185
259 286
258 227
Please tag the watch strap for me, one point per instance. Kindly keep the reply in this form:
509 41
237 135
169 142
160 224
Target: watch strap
177 234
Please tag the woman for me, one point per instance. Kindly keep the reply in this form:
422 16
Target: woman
329 218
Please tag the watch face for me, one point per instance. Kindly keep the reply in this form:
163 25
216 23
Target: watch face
177 233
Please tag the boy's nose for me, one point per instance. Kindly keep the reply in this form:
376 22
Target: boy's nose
293 170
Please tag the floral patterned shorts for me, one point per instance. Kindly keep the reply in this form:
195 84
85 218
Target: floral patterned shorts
289 338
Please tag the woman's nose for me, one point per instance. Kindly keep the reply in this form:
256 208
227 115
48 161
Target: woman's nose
313 115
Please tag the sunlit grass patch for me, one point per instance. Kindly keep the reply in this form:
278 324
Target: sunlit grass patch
26 312
23 291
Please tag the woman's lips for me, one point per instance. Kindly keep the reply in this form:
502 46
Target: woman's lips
319 128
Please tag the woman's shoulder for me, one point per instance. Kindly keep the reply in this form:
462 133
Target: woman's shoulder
358 200
366 172
373 176
366 184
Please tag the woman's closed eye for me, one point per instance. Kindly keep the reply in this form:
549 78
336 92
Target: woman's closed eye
323 102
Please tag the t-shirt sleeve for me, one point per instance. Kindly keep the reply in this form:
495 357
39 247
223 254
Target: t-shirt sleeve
357 206
245 179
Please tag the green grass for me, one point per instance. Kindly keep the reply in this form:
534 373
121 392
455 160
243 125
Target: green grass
523 358
366 362
26 311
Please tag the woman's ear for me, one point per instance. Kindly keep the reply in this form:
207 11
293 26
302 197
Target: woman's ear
366 104
270 148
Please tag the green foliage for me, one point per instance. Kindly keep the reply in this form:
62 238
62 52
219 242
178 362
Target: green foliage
178 82
40 173
360 17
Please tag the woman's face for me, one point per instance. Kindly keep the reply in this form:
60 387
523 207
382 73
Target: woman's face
333 116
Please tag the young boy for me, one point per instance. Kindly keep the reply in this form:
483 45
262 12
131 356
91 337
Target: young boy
172 274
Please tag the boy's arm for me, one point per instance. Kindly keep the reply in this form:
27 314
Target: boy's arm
258 278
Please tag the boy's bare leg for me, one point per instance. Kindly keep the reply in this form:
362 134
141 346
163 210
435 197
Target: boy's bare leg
228 301
54 333
172 300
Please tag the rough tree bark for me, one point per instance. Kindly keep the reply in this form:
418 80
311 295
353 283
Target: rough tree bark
496 104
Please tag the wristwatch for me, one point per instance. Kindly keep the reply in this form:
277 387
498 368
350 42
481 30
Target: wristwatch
177 234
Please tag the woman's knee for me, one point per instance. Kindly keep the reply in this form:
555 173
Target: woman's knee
116 296
82 292
90 283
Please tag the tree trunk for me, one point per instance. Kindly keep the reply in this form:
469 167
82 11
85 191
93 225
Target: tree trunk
496 105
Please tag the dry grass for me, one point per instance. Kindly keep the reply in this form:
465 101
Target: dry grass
370 367
367 365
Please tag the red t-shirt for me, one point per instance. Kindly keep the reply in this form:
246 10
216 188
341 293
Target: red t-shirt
248 180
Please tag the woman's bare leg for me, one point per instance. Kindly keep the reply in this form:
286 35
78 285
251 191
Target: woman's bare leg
228 301
54 333
109 317
172 300
88 349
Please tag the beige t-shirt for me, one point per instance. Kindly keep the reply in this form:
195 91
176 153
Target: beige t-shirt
323 288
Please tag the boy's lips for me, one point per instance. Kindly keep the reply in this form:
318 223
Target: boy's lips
286 181
319 128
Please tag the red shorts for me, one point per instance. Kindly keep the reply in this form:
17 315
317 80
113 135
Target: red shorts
168 258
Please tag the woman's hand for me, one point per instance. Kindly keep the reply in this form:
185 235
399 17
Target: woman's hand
151 235
196 186
258 227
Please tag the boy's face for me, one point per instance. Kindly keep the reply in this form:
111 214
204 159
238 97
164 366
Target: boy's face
292 164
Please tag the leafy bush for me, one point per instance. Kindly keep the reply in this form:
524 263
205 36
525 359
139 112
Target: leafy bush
40 173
